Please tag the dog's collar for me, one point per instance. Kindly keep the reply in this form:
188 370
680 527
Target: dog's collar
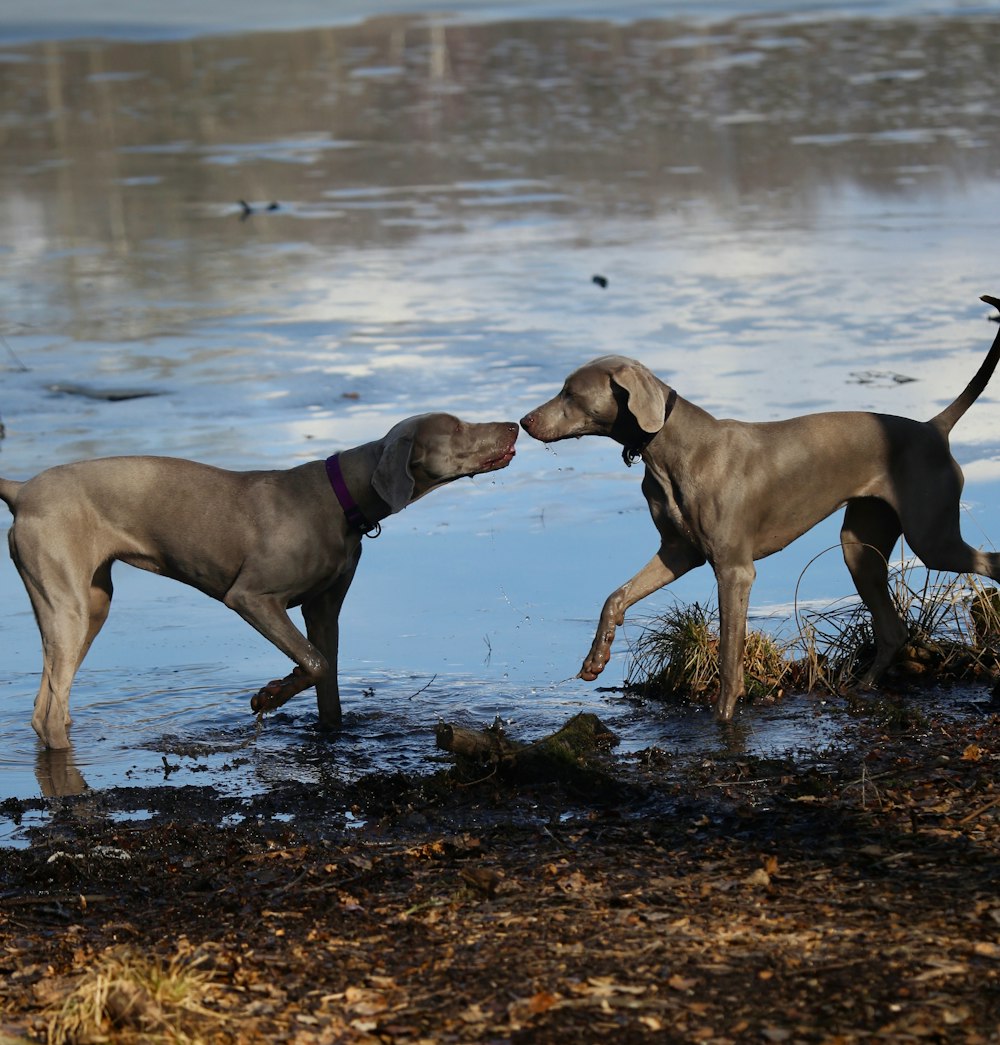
630 453
355 517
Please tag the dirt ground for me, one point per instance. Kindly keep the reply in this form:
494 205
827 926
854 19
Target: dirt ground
838 896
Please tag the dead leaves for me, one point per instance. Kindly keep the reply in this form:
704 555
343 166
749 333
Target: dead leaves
973 753
605 994
735 911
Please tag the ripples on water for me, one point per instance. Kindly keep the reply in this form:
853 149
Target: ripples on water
137 734
791 213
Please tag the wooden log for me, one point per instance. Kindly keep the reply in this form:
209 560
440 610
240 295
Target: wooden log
563 753
477 745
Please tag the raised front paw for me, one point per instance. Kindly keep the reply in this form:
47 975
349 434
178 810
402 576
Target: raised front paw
269 697
600 653
279 691
596 662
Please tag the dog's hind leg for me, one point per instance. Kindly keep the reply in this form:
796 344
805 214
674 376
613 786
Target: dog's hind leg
932 528
70 611
100 594
947 552
867 536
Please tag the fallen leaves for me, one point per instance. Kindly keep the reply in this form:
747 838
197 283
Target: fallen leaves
973 753
704 914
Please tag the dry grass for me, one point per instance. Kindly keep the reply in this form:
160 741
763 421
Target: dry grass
677 655
128 997
953 623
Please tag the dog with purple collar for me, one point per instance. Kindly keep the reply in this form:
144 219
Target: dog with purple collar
260 542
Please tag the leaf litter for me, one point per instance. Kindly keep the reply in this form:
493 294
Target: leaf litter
848 895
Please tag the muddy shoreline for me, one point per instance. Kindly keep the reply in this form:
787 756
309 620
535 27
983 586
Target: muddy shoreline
843 895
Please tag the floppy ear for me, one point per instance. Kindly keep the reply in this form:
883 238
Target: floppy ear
391 479
645 396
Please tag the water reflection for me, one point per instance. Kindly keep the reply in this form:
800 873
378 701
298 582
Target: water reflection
57 773
127 159
779 205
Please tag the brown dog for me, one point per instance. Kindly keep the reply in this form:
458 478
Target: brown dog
260 542
729 492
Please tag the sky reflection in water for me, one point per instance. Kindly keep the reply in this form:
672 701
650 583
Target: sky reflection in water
791 215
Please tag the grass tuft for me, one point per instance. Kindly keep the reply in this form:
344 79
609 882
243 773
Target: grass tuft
953 624
129 997
677 656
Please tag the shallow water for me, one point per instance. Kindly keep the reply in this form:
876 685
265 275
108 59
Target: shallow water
792 213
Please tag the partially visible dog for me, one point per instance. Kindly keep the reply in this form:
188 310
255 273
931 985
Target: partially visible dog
729 492
260 542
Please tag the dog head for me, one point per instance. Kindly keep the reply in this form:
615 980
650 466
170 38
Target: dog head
427 451
613 396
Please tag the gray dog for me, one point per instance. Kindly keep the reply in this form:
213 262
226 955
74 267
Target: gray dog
728 492
260 542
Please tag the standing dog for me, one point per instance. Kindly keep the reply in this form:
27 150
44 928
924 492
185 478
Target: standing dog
260 542
729 492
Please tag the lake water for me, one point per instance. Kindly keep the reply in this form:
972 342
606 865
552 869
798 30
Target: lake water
795 208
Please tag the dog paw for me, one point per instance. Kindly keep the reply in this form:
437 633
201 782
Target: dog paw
268 697
593 666
279 691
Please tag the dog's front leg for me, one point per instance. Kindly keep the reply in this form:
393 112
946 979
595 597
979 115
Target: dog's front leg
734 600
268 615
667 565
280 691
322 617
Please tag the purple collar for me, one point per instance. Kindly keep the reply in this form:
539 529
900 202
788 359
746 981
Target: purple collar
355 517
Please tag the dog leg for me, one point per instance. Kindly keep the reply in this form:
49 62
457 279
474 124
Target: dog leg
70 611
734 583
869 531
280 691
50 717
322 617
667 565
68 626
268 615
939 545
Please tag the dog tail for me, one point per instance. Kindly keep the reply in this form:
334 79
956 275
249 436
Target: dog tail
8 491
947 419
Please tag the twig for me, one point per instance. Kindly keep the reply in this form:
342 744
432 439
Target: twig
422 688
18 365
982 809
481 780
822 968
863 781
68 898
300 877
559 842
437 901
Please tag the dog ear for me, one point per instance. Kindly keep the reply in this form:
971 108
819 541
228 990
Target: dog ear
392 479
645 396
